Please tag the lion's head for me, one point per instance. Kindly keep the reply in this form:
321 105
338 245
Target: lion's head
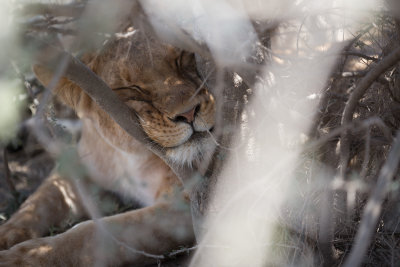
161 84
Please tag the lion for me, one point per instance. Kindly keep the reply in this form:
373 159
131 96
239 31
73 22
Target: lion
160 83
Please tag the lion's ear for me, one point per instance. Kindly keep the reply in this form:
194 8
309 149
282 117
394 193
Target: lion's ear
67 91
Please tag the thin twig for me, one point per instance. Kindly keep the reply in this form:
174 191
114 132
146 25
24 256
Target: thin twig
53 29
183 250
357 37
354 125
358 54
373 208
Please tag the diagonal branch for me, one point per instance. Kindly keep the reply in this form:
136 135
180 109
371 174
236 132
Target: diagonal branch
367 81
108 101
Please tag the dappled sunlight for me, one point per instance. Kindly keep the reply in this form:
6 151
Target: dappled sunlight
68 193
40 250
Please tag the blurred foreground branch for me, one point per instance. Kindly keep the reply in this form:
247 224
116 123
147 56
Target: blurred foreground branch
107 100
373 208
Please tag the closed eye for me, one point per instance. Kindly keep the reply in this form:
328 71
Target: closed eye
132 87
133 92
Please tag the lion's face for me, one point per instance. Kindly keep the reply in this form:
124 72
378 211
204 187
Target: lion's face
161 84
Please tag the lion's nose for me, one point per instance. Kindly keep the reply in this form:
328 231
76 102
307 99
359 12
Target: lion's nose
187 116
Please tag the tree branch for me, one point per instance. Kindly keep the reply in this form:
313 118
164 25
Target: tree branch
53 29
358 54
108 101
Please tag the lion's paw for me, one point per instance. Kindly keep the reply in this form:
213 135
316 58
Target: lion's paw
11 234
30 253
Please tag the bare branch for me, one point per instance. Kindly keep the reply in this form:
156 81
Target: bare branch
108 101
357 54
99 91
367 81
53 29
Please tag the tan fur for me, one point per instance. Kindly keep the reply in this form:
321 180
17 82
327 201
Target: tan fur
159 83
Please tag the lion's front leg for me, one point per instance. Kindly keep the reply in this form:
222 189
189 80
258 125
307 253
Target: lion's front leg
54 202
136 237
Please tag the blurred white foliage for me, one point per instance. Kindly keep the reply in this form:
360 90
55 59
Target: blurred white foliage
11 102
225 28
7 29
250 192
256 182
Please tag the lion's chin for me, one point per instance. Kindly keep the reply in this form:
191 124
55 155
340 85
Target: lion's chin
192 152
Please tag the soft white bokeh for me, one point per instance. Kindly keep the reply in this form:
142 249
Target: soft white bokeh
11 102
10 98
223 27
7 29
256 181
